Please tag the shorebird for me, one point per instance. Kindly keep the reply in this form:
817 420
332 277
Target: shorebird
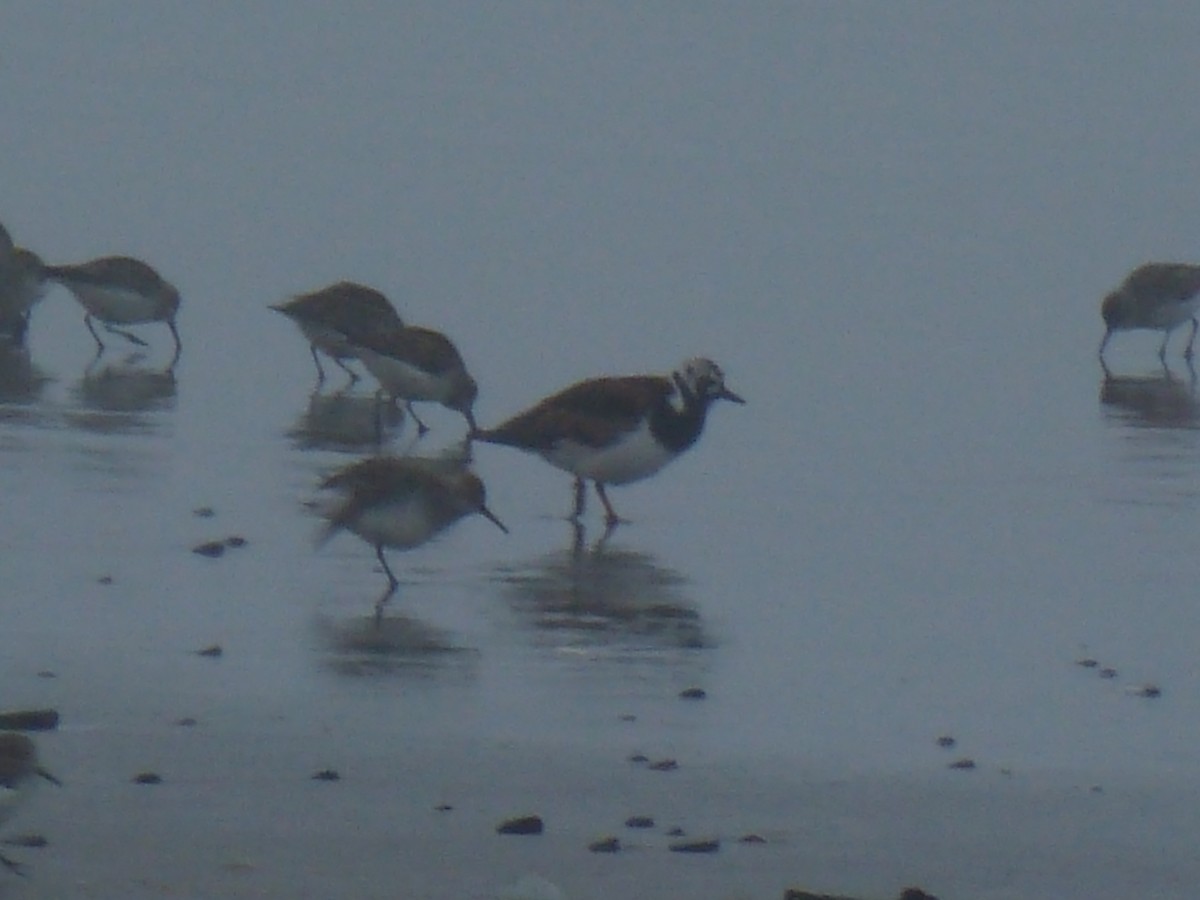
332 317
413 363
618 429
22 284
18 766
119 290
1156 296
402 502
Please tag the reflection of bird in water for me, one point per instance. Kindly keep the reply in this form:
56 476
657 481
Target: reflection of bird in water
1164 401
344 421
617 430
330 317
117 398
18 769
1154 296
120 290
601 594
402 502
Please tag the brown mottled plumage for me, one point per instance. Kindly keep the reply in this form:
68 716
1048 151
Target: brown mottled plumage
1155 296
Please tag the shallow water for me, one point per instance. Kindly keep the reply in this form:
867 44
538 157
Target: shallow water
933 505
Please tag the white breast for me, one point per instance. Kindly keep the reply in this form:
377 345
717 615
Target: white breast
404 380
117 305
635 456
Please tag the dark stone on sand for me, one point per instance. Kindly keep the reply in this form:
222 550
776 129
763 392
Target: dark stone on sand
605 845
327 775
235 540
627 717
104 579
752 839
675 832
46 673
1148 690
147 778
693 693
664 765
521 825
638 758
1087 662
946 740
211 549
204 512
639 822
29 720
1108 672
443 807
27 840
913 893
213 651
710 846
965 763
186 722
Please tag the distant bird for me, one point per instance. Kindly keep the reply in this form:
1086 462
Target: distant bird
22 284
1155 296
402 502
332 317
119 290
618 429
18 766
417 364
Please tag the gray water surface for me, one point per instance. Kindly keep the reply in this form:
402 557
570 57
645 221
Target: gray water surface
891 224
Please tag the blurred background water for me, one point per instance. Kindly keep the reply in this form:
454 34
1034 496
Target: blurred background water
891 224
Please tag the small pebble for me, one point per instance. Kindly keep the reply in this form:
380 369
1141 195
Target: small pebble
946 740
638 758
27 840
147 778
212 651
675 832
204 512
639 822
443 807
693 693
186 722
521 825
695 847
664 765
104 579
605 845
1146 690
752 839
235 540
965 763
627 717
29 720
326 775
1108 672
46 673
211 549
1087 662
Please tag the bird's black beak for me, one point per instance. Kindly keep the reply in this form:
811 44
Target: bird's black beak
491 517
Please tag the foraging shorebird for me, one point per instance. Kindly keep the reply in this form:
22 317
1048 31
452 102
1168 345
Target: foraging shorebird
402 502
18 767
417 364
1155 296
119 290
332 317
619 429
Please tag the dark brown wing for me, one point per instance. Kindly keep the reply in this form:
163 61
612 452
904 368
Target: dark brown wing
421 347
592 412
124 271
342 302
1164 280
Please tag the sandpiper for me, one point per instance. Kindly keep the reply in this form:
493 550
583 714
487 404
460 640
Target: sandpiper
402 502
18 766
618 429
22 284
1156 296
119 290
413 363
332 317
